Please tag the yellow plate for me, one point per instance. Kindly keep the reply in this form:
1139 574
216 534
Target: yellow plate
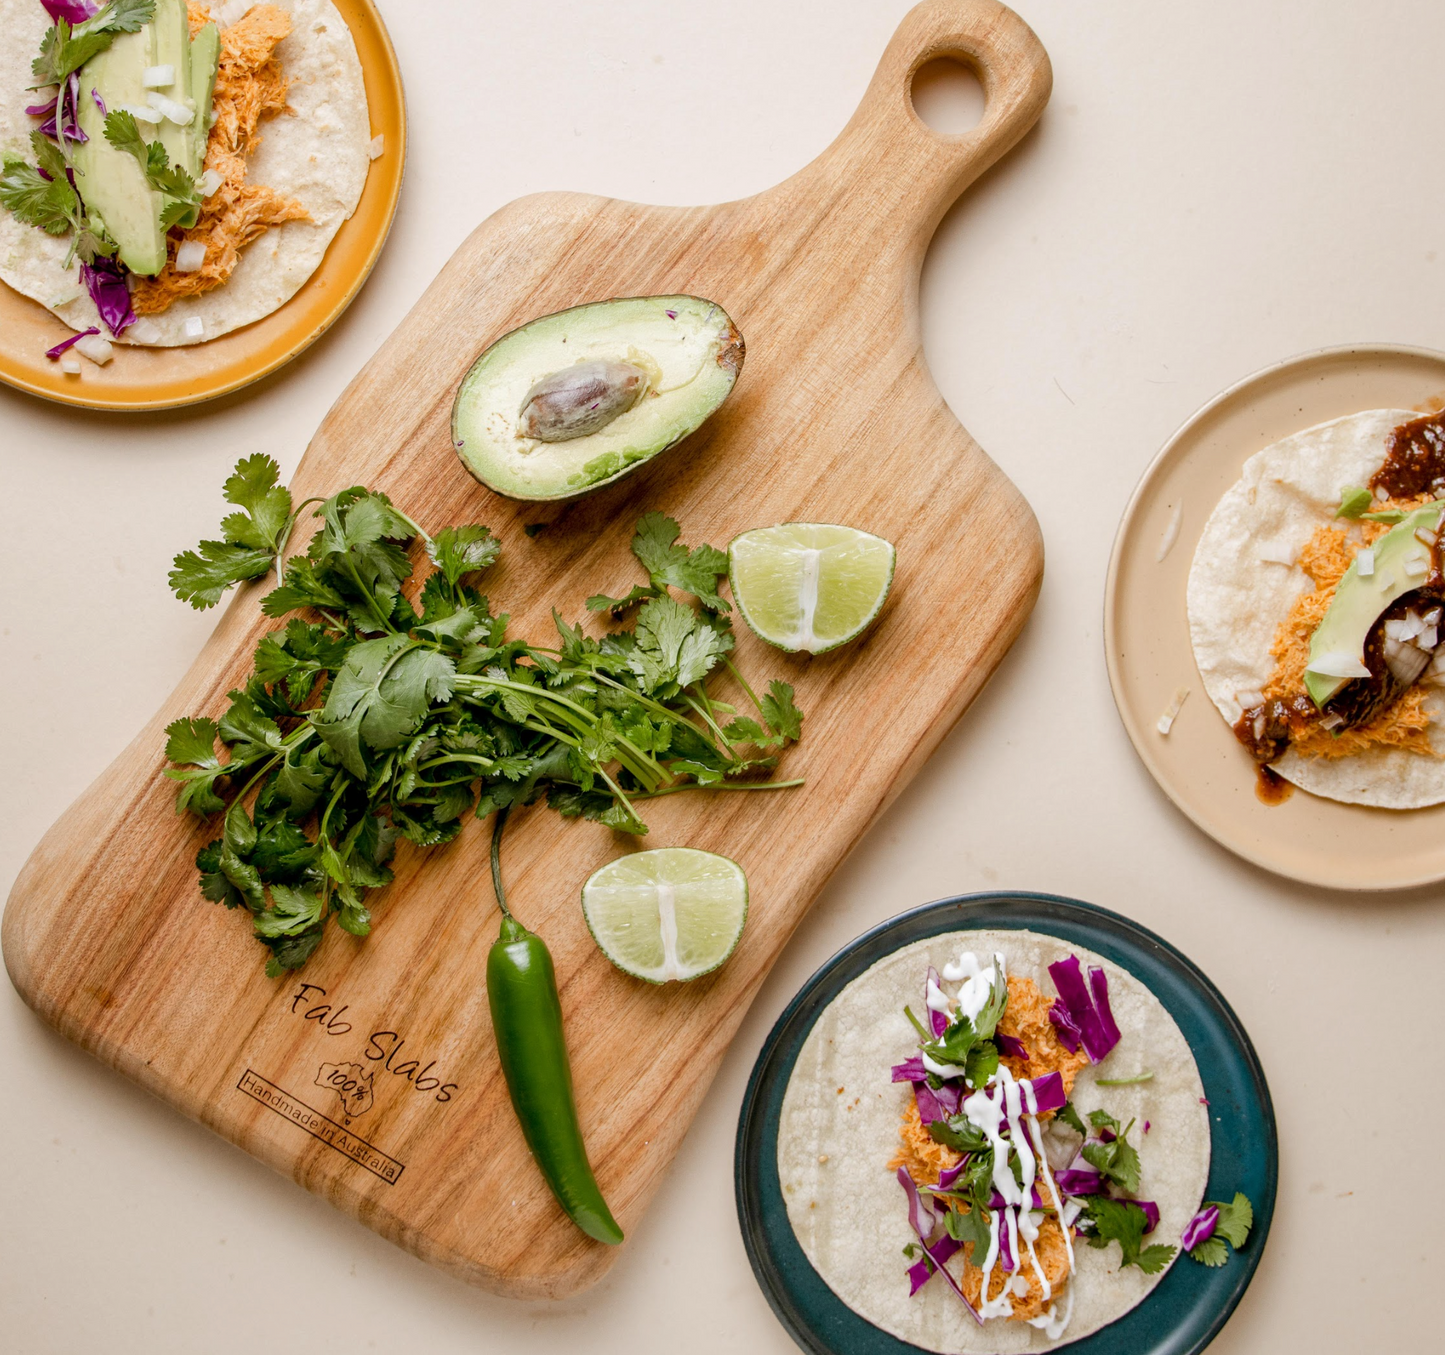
160 378
1200 765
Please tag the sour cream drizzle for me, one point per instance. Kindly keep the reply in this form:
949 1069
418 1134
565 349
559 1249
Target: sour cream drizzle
987 1109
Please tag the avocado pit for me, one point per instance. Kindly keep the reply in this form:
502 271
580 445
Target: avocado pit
581 399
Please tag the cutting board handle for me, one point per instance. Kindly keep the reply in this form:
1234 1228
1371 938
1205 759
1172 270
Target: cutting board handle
892 153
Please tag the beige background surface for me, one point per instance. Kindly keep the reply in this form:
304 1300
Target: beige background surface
1212 188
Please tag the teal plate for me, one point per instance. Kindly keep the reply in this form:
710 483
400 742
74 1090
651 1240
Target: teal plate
1192 1302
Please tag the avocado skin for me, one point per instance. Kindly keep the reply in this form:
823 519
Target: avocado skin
111 182
1359 601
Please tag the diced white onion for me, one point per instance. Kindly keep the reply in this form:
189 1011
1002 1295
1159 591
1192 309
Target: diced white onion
191 257
1416 567
1387 582
178 113
232 12
1406 627
1365 563
1338 664
1425 536
378 146
1277 555
1382 493
96 347
1428 638
1258 728
64 298
142 113
70 362
210 181
1166 721
1249 700
144 331
1332 721
158 77
1405 662
195 327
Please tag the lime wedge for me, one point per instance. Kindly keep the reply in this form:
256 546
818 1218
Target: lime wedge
808 585
671 913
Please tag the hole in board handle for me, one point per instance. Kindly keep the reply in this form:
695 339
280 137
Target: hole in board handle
948 96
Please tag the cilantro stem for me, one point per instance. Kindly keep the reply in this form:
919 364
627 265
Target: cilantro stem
646 701
917 1024
701 709
416 527
743 683
716 785
1123 1082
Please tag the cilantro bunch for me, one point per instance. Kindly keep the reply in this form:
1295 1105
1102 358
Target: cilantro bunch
374 714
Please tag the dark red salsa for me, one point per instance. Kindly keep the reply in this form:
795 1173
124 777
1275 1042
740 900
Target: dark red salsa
1414 460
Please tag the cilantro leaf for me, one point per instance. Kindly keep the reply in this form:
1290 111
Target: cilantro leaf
1069 1116
1122 1221
192 741
1235 1219
252 537
968 1225
66 48
1116 1161
668 564
1210 1252
46 203
463 550
782 716
200 576
957 1132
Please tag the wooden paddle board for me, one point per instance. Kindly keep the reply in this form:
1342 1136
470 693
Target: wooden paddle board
835 419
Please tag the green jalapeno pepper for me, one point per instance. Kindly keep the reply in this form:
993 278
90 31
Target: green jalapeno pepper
527 1019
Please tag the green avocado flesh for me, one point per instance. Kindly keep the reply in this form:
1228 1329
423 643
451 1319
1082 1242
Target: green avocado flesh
111 181
688 348
1402 564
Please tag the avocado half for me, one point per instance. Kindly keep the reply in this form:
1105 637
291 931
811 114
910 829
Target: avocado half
572 401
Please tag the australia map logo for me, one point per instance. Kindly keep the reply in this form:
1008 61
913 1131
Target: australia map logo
352 1085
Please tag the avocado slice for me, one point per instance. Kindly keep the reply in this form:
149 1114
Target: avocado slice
111 182
205 57
575 400
170 35
1401 565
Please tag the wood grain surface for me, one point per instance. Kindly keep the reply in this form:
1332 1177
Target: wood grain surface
835 418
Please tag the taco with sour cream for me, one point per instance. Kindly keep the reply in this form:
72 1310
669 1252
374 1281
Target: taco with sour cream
998 1141
1317 609
174 170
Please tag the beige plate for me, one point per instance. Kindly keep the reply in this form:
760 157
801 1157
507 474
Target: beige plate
1199 764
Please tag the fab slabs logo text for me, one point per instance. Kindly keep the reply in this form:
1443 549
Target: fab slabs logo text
385 1060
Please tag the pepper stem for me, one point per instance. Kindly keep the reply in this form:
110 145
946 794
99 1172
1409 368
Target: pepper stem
501 822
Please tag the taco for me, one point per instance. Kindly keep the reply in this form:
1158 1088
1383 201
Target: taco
173 171
1316 606
994 1141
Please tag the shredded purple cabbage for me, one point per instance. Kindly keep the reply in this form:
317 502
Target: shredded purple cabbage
74 339
1199 1229
929 1106
923 1220
949 1175
1005 1252
99 102
1068 977
1151 1214
1010 1046
995 1201
1069 1034
105 281
921 1272
42 110
1048 1092
1079 1181
910 1070
71 11
1099 989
